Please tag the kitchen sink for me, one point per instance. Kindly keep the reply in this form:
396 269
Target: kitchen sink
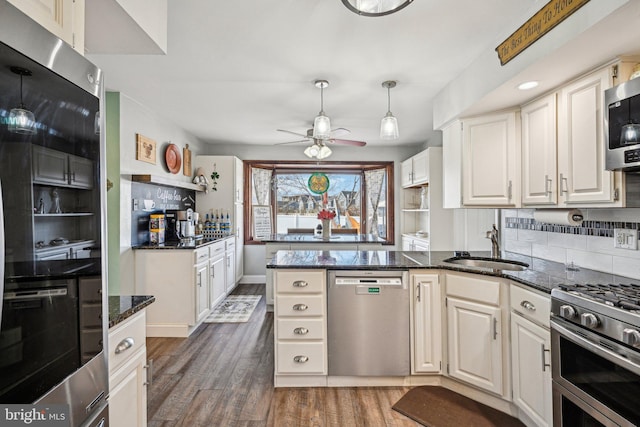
493 263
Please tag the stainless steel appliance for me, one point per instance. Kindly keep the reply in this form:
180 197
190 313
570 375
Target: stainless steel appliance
53 303
368 323
595 347
622 126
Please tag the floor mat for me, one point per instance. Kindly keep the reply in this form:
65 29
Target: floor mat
434 406
234 309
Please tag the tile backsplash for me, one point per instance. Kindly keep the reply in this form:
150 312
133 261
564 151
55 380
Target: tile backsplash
589 245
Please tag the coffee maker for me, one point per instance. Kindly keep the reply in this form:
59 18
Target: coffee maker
172 226
186 225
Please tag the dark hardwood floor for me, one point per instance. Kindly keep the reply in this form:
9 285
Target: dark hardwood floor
223 376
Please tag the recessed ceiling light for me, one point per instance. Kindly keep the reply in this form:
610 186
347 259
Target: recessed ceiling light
528 85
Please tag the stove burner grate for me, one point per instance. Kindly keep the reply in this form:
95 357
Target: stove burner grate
626 297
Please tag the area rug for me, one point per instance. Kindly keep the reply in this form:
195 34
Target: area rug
234 309
434 406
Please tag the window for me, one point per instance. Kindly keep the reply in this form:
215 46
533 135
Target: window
283 197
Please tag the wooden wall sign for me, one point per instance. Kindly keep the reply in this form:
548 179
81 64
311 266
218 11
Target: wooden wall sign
186 161
145 149
537 26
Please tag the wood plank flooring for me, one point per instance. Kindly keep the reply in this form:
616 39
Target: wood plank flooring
223 376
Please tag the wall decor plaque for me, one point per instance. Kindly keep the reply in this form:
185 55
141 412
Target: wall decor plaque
186 161
145 149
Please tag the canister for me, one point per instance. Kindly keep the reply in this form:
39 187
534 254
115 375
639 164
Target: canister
156 229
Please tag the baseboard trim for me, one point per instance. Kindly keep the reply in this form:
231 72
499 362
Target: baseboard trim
253 279
173 331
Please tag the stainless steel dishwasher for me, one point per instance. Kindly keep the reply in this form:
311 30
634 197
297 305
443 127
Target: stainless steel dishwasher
368 323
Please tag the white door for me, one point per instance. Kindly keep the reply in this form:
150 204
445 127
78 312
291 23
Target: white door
238 219
581 169
539 143
239 180
421 168
490 160
202 290
230 270
128 395
475 343
407 172
531 356
216 281
427 352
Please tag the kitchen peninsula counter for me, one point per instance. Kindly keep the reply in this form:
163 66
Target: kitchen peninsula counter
310 238
542 274
184 244
121 307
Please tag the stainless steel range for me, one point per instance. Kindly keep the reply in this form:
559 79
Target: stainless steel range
595 344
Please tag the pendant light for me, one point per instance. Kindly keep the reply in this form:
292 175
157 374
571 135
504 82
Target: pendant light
21 120
375 7
321 124
389 124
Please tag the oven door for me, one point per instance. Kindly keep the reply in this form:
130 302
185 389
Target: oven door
595 380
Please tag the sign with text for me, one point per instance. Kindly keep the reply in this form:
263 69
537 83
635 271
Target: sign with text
50 415
261 217
541 23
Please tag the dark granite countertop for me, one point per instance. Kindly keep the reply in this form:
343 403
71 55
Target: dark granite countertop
335 238
184 244
542 274
121 307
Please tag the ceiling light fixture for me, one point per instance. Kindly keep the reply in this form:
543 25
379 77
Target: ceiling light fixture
528 85
21 120
375 7
321 124
318 150
389 124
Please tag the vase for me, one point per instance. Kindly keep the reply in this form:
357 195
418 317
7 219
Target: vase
326 229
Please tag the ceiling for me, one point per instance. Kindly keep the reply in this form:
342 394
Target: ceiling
236 71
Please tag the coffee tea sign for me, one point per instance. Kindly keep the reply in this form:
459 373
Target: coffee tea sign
537 26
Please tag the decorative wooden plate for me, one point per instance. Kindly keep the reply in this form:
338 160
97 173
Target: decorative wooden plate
173 159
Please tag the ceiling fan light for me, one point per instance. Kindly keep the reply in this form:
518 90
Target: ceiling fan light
321 126
324 152
21 121
312 151
389 127
375 7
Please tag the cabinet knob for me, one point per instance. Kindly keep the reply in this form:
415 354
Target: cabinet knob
300 307
301 331
528 306
125 344
301 359
300 284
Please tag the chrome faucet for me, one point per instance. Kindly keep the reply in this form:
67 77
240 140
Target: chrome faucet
495 242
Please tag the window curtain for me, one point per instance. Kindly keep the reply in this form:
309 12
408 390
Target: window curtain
374 180
261 185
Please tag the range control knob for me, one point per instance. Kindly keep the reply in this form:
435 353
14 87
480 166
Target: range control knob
567 312
631 337
589 320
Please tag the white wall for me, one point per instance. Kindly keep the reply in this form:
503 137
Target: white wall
137 118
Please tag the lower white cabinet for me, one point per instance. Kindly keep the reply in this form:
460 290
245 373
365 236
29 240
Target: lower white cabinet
230 265
300 322
216 280
202 289
426 324
128 373
476 341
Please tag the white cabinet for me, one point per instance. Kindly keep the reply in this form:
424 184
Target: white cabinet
300 327
63 18
54 167
476 326
491 159
230 265
539 148
201 272
452 165
217 280
415 170
583 179
426 324
424 222
531 354
127 373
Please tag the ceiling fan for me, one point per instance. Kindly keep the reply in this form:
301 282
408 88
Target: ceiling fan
331 139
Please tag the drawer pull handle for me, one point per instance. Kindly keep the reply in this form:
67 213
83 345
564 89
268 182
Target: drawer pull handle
149 368
125 344
300 284
301 331
301 359
300 307
528 306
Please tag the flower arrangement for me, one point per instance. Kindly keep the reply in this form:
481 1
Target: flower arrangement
326 214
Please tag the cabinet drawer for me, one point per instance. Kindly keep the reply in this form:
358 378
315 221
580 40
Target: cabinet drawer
473 288
216 249
300 281
531 305
301 358
301 329
300 305
130 332
200 255
90 289
90 315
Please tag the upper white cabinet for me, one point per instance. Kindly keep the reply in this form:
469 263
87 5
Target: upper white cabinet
58 168
539 148
581 170
63 18
491 159
415 170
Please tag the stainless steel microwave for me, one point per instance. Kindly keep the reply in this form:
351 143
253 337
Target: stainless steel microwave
622 126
